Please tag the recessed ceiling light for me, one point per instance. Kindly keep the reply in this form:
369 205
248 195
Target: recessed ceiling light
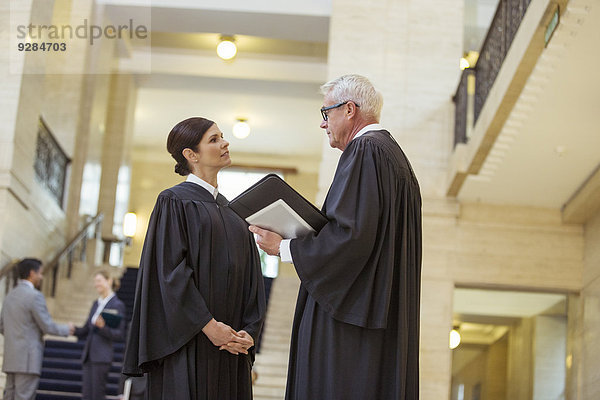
241 129
227 48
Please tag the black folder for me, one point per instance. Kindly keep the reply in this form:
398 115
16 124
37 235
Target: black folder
111 317
274 205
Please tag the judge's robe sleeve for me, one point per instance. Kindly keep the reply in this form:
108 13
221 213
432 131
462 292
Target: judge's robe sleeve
345 267
168 310
255 306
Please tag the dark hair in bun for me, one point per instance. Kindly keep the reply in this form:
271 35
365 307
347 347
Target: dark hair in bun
184 135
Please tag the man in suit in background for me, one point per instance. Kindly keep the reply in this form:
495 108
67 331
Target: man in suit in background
23 321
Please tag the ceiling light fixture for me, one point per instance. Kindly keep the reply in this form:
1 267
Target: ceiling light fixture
129 227
241 129
454 338
226 49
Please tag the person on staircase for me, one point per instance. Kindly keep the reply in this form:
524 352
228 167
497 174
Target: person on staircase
200 300
24 321
100 336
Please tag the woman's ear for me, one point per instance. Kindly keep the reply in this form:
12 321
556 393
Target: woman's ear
189 155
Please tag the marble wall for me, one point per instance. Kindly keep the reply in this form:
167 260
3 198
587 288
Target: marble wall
589 311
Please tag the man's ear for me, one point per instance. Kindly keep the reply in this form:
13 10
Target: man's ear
351 110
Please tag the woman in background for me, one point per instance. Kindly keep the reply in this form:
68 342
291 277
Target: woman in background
98 351
199 302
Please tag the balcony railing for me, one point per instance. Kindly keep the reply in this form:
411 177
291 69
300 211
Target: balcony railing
461 102
501 33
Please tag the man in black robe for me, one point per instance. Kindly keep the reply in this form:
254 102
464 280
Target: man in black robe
199 264
356 327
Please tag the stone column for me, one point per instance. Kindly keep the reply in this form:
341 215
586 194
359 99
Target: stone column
20 106
116 146
410 51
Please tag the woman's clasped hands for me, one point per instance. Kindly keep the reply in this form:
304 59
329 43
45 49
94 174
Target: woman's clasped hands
227 338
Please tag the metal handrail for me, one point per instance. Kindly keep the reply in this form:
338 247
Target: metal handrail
80 237
53 266
6 271
7 268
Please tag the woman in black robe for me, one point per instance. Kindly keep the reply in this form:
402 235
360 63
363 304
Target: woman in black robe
199 303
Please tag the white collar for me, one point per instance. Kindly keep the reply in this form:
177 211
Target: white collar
106 299
365 129
199 181
27 282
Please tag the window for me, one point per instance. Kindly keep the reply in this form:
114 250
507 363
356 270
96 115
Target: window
232 182
51 163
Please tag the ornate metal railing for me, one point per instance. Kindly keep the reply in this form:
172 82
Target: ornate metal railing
75 248
50 163
503 28
77 244
461 103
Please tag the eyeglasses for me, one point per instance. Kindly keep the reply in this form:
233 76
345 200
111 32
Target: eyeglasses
324 109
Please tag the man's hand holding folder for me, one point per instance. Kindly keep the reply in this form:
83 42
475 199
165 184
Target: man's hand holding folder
267 240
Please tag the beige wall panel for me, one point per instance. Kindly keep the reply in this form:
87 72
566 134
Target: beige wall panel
590 304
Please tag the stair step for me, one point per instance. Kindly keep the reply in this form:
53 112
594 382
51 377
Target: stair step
271 363
74 375
61 385
56 395
271 392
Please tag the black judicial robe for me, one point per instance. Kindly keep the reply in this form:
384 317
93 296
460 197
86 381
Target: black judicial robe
356 326
199 261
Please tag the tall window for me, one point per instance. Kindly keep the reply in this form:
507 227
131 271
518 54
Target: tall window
90 189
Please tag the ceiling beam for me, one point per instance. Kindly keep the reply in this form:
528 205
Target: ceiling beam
209 65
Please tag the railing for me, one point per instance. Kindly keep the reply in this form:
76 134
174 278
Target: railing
10 273
51 269
507 20
500 35
461 104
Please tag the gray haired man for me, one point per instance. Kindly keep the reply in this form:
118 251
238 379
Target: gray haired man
356 328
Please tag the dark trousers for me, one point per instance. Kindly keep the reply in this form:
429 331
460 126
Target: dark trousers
94 380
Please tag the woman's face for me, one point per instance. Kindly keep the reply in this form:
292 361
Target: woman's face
213 151
101 284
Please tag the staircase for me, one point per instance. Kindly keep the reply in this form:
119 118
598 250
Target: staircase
61 368
271 363
62 371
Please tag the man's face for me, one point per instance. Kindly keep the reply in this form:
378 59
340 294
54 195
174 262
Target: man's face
36 277
336 126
